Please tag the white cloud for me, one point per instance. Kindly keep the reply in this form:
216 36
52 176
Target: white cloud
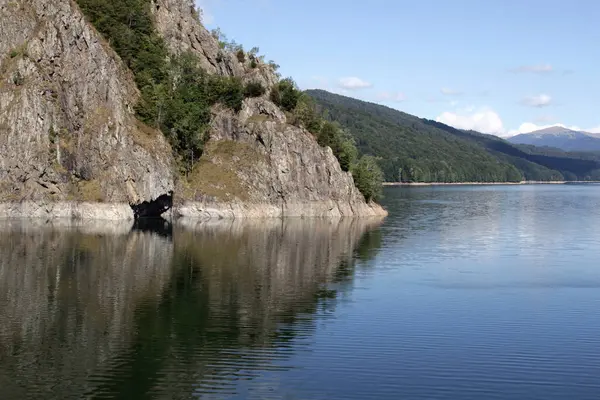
353 83
535 69
395 97
486 120
483 120
593 130
450 92
541 100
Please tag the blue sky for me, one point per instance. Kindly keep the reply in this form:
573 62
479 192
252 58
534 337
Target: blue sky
498 66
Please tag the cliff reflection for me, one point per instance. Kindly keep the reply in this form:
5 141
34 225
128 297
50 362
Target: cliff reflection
96 311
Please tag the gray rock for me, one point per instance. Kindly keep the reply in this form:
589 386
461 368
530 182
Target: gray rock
67 130
177 21
66 209
270 168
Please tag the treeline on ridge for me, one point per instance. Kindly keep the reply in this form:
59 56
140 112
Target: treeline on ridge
411 149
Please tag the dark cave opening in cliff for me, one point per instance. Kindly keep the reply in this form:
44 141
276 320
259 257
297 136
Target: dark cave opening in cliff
154 208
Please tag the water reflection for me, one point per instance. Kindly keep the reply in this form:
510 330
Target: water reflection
101 311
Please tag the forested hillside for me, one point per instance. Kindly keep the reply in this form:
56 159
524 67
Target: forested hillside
412 149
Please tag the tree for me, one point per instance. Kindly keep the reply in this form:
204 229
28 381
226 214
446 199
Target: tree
289 94
254 89
347 153
306 114
368 177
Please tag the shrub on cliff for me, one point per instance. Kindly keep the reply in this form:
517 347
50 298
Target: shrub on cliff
368 177
306 115
342 144
254 89
275 95
241 56
286 94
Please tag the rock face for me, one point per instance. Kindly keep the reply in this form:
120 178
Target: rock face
67 130
178 23
268 167
69 138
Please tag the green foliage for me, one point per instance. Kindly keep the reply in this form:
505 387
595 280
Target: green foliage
418 150
274 66
306 114
254 89
328 134
347 153
176 94
198 14
229 45
410 150
368 177
286 94
341 143
241 55
275 95
20 51
18 79
253 63
228 91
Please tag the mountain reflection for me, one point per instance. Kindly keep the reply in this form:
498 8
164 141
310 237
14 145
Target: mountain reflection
102 311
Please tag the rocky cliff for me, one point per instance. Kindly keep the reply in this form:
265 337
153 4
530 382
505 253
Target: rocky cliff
71 146
67 131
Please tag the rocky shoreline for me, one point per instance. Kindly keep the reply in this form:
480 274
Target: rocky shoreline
193 210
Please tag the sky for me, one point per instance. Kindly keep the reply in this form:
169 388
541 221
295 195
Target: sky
496 66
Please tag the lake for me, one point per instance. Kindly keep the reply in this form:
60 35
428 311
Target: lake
463 292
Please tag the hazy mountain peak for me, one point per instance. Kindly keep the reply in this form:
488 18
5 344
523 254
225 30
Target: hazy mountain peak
561 138
553 130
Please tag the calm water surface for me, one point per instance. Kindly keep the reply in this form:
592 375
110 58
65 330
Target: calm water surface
482 292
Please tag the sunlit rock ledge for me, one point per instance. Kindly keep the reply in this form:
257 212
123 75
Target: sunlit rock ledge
84 211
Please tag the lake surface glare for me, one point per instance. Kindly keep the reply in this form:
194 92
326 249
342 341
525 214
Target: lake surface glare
463 292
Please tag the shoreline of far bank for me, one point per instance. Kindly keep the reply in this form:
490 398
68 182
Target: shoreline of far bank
483 183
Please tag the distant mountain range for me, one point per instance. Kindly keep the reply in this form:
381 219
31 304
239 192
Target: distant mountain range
413 149
560 138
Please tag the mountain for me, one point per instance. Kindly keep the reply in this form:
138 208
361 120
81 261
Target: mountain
109 104
413 149
560 138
